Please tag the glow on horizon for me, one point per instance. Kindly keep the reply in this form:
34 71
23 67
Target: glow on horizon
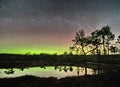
33 50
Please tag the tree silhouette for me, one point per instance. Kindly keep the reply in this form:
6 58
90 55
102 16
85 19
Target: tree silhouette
81 42
118 43
118 40
114 49
110 37
106 36
96 41
88 44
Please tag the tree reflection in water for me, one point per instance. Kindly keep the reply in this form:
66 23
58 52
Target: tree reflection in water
64 68
9 71
70 68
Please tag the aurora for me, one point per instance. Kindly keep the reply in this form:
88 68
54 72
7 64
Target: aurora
48 26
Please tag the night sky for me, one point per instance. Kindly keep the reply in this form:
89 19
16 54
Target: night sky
48 26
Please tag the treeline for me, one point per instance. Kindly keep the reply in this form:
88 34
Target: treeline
14 60
99 42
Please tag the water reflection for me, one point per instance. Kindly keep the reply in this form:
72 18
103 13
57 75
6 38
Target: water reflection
9 71
64 68
43 71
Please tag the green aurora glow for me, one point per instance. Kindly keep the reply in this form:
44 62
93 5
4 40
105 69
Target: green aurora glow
32 50
48 26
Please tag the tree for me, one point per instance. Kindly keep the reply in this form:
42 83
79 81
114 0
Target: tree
110 37
114 49
118 43
118 40
106 36
82 43
88 44
79 42
65 53
96 41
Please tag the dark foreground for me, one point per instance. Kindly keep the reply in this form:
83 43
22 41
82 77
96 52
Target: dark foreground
81 81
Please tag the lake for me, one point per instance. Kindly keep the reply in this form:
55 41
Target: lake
49 71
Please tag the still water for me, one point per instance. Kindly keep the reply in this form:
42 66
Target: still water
49 71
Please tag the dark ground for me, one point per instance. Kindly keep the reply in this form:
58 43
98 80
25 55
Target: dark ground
81 81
